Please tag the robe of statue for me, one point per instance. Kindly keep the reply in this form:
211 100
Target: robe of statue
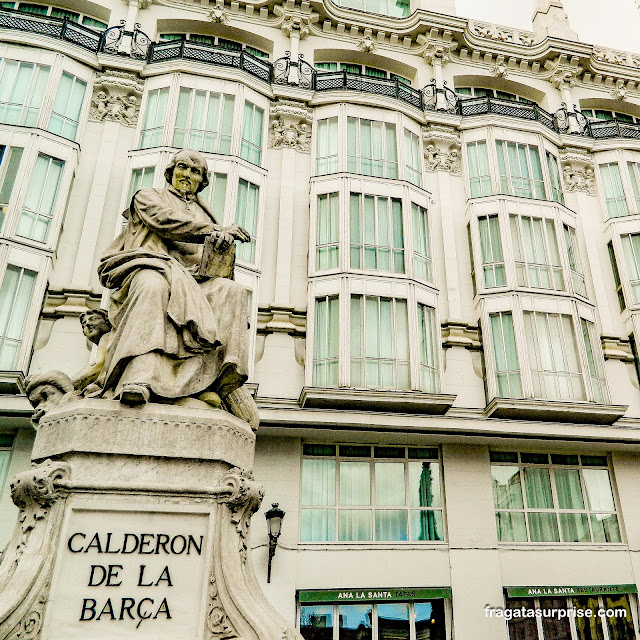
174 331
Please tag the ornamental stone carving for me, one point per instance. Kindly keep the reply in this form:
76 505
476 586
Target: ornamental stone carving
435 132
500 70
292 108
219 15
295 136
501 34
579 179
619 92
367 44
116 97
437 160
295 26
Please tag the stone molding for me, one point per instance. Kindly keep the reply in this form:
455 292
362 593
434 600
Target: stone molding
292 108
437 49
116 97
501 34
295 20
69 302
219 15
285 132
367 43
459 334
434 133
615 348
274 319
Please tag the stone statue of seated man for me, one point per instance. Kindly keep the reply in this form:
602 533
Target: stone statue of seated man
174 328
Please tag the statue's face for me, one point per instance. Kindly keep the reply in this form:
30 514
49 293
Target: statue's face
94 327
187 174
43 398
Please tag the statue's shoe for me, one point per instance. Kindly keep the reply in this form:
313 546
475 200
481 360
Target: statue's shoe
133 394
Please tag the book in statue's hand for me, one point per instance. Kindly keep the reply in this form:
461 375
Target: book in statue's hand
217 263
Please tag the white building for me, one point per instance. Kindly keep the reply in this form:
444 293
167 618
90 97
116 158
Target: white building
444 277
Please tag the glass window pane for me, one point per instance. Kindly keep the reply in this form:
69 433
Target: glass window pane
522 628
424 484
429 620
620 626
355 483
318 482
426 524
317 525
555 628
543 527
511 526
507 492
598 487
355 621
390 484
391 524
538 488
354 524
569 489
393 621
605 527
574 527
588 628
316 622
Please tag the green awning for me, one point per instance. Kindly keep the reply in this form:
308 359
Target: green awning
374 594
570 590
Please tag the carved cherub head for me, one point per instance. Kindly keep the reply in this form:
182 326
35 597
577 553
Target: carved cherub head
95 323
187 172
46 391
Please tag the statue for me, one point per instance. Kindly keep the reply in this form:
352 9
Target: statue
177 322
47 390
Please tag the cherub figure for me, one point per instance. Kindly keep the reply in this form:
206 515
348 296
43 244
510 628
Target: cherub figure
97 329
303 137
277 132
129 113
101 106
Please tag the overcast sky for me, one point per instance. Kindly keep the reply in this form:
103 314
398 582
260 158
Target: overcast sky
614 23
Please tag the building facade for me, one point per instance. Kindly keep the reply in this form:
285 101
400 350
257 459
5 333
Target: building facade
444 280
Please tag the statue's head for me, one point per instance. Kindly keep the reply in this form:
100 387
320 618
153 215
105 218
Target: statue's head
46 390
95 323
187 172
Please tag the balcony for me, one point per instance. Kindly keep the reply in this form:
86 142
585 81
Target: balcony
603 129
509 108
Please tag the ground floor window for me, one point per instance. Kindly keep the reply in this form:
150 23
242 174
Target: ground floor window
584 617
373 620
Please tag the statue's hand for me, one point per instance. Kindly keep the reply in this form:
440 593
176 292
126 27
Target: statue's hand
222 240
238 233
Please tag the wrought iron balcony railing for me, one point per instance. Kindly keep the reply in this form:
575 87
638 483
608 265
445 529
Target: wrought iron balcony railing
136 44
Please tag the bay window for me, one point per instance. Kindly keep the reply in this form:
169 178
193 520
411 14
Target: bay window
520 170
370 493
40 200
247 217
67 106
252 124
22 88
372 148
631 249
421 243
6 444
140 178
16 295
393 8
614 196
554 178
327 147
203 121
616 277
391 344
328 231
154 118
557 357
556 498
575 265
634 174
215 194
491 252
376 233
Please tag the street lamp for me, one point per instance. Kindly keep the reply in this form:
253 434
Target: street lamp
274 523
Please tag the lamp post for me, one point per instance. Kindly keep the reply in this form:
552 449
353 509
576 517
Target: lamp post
274 523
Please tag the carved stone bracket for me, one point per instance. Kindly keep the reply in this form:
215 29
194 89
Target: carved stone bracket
577 170
296 23
367 43
282 320
442 148
33 492
615 348
459 334
290 126
243 496
219 14
437 50
563 73
116 97
434 133
500 69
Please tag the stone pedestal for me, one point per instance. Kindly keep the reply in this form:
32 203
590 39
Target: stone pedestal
134 524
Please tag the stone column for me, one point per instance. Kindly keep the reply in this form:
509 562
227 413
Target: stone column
295 25
437 52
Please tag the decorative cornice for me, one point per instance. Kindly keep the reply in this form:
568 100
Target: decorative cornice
274 319
122 79
615 348
68 302
459 334
293 108
501 34
434 132
575 155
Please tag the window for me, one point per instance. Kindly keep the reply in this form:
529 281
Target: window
573 254
220 43
605 114
613 190
349 67
567 500
631 248
216 193
553 351
421 243
328 232
594 363
479 174
67 106
377 239
427 340
480 92
140 178
372 148
634 174
327 150
56 12
393 8
40 200
394 620
379 343
412 163
360 492
154 118
22 88
616 277
15 299
247 217
535 249
6 443
491 249
520 170
204 121
325 357
9 163
251 146
554 175
588 626
506 355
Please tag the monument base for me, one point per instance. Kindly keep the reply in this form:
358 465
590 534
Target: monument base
134 523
